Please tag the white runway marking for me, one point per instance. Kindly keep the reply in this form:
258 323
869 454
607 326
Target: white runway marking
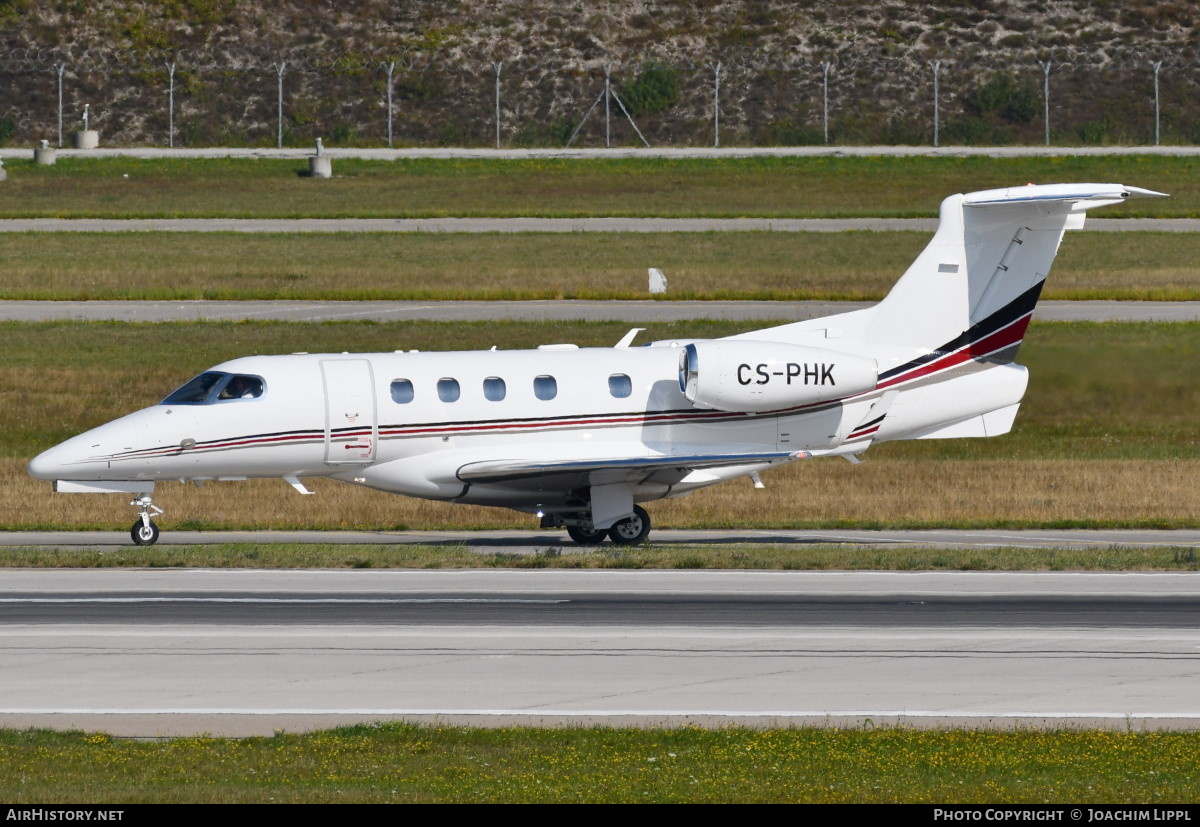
306 601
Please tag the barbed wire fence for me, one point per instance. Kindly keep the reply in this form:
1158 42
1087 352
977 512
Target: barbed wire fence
519 98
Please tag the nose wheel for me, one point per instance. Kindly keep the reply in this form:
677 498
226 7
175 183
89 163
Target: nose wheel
144 532
144 535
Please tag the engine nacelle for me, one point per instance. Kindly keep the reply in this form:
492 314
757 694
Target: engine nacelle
743 375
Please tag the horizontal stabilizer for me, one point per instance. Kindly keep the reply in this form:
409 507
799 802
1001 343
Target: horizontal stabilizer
1078 197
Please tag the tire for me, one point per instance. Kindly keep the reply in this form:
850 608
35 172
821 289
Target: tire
632 530
144 535
586 536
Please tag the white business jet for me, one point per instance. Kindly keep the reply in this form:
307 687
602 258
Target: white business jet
579 436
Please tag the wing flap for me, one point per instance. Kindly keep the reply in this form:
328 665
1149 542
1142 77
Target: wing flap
508 470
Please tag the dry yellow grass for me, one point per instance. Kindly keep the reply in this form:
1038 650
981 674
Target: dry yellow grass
897 492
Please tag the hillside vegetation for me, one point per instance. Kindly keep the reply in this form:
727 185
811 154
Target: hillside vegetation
333 61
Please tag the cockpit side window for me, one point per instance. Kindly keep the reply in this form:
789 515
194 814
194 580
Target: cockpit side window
214 386
241 387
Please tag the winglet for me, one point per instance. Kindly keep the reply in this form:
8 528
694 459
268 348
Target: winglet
628 338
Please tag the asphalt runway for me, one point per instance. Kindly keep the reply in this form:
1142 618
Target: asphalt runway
237 652
633 312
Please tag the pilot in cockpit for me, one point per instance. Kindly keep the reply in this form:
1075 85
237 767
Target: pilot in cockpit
241 387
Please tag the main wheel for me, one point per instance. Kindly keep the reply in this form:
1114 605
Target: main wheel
631 530
144 535
586 536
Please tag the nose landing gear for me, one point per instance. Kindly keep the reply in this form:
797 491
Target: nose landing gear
144 532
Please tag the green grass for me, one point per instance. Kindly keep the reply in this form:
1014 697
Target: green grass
454 266
765 187
417 764
723 556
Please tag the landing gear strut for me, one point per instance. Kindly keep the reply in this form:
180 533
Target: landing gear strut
144 532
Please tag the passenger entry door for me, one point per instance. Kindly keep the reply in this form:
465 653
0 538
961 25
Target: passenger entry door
351 423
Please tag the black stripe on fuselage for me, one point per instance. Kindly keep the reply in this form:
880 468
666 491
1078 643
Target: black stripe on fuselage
1006 315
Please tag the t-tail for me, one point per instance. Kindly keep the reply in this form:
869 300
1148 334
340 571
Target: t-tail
945 338
977 282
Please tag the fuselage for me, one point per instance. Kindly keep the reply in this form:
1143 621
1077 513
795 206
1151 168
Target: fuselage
406 422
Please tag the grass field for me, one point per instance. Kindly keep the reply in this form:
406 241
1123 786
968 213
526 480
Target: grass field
454 266
411 764
767 187
1107 435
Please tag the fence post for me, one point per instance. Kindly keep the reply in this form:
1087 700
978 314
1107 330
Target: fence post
62 67
607 95
389 67
497 67
825 97
935 66
717 105
1046 96
1156 65
171 105
280 67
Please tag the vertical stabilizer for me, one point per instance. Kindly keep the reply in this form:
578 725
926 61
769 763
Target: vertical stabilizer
983 271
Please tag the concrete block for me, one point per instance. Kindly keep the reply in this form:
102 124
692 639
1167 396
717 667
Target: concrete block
320 166
87 139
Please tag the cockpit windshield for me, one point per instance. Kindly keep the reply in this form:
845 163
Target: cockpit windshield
214 386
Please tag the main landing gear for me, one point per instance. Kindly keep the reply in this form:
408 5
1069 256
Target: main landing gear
144 532
627 532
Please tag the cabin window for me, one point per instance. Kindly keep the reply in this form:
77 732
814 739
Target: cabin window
494 389
620 385
448 390
545 387
215 386
402 391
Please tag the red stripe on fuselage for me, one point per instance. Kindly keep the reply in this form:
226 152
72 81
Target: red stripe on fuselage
1003 338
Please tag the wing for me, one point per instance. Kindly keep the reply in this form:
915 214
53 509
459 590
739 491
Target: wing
567 474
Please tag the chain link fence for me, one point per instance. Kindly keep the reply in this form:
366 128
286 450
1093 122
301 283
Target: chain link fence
233 98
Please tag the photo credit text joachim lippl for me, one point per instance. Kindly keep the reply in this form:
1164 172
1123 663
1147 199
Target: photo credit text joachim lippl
1078 815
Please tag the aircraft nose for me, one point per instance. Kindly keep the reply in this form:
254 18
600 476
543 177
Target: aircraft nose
47 465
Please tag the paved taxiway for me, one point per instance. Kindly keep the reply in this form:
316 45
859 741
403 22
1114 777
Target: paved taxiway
240 652
529 541
633 312
397 154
